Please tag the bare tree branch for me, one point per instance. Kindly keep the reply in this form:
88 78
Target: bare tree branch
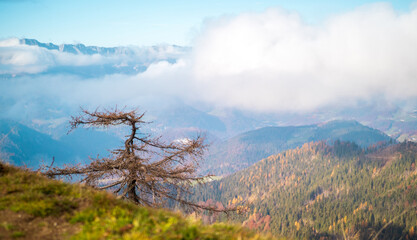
145 170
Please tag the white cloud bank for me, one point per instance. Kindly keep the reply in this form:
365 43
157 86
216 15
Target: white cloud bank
273 61
270 61
16 58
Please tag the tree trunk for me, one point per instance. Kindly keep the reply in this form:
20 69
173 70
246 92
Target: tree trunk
131 194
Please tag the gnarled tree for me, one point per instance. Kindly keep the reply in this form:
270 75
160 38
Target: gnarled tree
145 170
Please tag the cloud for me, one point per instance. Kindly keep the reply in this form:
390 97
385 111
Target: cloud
265 62
273 61
17 58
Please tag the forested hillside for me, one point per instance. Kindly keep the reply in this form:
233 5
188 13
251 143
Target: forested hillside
245 149
318 190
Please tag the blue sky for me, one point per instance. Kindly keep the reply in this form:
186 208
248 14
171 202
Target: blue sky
128 22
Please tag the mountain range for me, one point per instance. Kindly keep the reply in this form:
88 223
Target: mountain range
241 137
24 146
107 51
100 61
28 146
231 155
23 100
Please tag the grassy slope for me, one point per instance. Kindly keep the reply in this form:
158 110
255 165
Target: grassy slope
34 207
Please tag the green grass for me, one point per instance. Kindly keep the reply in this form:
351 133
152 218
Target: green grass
98 214
7 226
30 193
18 234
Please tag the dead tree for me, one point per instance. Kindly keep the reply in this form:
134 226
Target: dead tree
145 170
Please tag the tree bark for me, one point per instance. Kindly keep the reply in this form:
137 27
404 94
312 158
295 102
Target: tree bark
131 194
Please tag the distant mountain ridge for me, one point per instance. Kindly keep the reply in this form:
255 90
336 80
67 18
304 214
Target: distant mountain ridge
245 149
55 59
22 145
28 146
25 146
76 48
80 48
